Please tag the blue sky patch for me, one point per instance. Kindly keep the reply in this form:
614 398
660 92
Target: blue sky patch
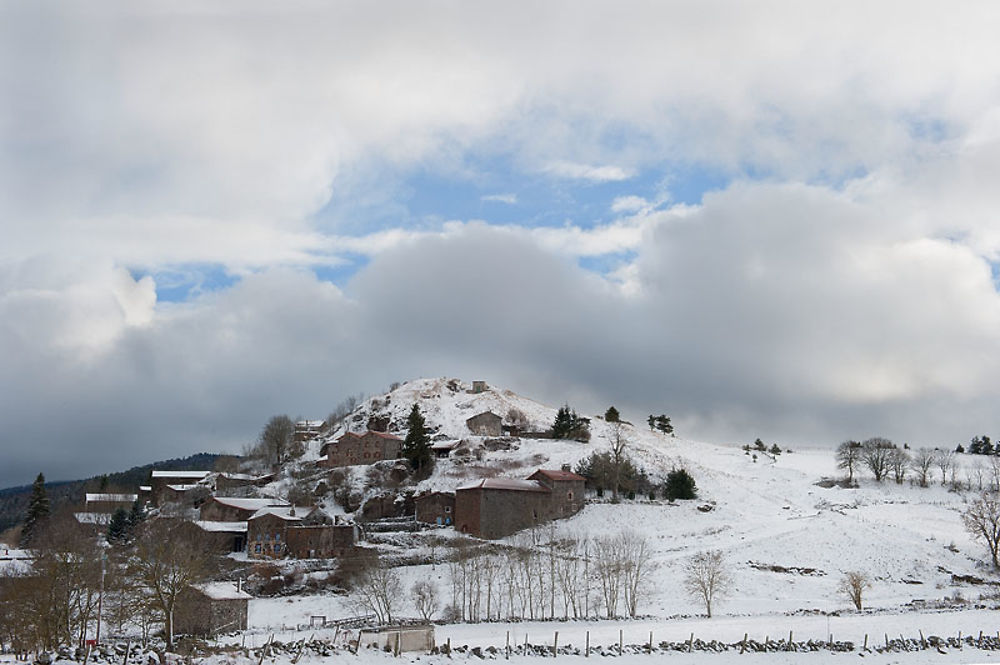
184 282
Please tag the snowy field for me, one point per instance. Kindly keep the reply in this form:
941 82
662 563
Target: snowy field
767 514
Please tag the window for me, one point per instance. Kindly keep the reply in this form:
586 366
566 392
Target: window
277 537
447 509
256 548
569 495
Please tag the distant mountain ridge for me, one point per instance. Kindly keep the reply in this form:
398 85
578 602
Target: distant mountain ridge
14 500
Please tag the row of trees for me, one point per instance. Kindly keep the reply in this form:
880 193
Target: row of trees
885 460
561 576
137 585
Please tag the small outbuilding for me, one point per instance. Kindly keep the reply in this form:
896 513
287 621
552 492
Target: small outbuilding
398 639
486 423
211 609
436 508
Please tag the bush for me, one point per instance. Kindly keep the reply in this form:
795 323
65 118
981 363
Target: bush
680 485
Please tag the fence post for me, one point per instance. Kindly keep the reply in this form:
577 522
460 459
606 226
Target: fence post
923 642
650 641
691 643
789 640
865 647
621 639
507 649
743 647
555 645
586 653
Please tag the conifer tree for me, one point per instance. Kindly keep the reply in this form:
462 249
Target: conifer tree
651 421
135 516
563 424
612 415
118 527
38 510
417 446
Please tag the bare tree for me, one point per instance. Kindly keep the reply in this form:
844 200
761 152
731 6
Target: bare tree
923 460
637 566
853 584
945 461
277 441
619 442
875 453
974 475
982 521
707 578
849 457
169 557
425 599
380 591
608 566
899 463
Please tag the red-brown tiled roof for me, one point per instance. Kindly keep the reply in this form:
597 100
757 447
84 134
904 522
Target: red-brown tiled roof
558 474
512 484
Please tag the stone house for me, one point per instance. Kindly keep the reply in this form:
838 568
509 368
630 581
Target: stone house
367 448
497 507
320 541
298 532
307 430
486 423
567 490
176 481
436 508
210 609
479 387
235 509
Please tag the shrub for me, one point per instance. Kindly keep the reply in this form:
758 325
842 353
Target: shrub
680 485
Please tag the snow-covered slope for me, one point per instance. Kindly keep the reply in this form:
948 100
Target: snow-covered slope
768 514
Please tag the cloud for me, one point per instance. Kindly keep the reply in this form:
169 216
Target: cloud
509 199
588 172
840 286
629 204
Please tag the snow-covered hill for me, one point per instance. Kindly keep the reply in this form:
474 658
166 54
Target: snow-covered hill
769 515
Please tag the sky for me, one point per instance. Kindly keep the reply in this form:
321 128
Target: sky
770 219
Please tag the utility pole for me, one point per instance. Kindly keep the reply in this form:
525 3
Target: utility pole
100 595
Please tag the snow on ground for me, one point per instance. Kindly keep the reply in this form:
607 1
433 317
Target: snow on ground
765 513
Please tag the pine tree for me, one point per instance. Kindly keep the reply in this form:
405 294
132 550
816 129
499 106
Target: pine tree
38 510
651 421
135 517
563 424
680 485
118 527
612 415
663 424
417 446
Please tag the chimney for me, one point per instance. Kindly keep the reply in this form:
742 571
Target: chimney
566 467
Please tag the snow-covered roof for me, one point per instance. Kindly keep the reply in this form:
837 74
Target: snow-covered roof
248 504
145 488
221 591
446 445
310 423
241 476
290 513
117 498
515 484
182 488
222 527
181 474
93 518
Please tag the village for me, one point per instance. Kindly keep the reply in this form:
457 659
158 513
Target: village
346 545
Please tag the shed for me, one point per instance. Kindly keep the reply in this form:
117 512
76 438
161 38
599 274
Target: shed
436 508
210 609
398 638
486 423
